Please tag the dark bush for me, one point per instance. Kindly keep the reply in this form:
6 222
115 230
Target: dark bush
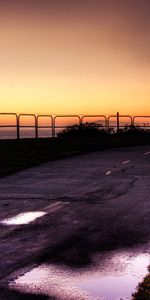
134 129
98 130
83 130
143 290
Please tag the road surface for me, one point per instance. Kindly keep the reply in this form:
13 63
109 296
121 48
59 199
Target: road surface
92 202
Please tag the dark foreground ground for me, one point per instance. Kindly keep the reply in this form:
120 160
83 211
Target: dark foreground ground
95 202
17 155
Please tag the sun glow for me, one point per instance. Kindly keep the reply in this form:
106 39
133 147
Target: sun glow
68 58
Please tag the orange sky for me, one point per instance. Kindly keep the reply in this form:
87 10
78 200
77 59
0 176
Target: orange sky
75 56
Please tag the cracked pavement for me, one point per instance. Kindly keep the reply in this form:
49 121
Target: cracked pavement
95 212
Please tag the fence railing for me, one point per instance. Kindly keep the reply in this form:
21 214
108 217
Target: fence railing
59 122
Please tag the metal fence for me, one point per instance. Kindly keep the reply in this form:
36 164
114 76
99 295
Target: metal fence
59 122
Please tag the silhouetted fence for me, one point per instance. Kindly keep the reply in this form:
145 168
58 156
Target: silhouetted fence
59 122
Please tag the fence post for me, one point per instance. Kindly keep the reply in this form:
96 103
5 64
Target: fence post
107 125
53 126
18 128
36 127
118 122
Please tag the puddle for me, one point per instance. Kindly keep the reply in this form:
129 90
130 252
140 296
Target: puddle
112 277
108 173
147 153
126 162
114 286
23 218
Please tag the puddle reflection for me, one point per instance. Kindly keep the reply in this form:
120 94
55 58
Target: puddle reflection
113 286
115 277
23 218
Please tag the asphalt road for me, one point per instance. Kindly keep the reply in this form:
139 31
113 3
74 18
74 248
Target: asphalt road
94 202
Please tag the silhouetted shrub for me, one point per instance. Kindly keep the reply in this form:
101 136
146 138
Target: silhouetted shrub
83 130
98 130
143 290
134 128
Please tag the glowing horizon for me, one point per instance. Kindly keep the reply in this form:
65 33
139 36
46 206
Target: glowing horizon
75 57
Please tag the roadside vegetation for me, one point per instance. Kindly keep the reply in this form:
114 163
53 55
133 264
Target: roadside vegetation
84 130
94 129
143 290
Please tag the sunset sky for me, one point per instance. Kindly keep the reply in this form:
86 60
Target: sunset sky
75 56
